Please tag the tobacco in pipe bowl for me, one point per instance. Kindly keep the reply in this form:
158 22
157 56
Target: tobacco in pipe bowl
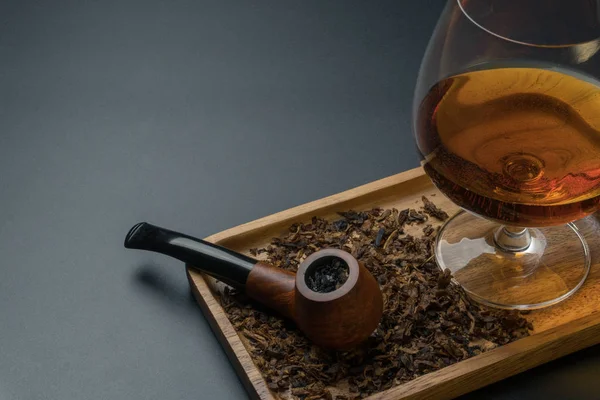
338 318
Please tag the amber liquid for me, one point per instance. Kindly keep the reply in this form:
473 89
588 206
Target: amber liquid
517 145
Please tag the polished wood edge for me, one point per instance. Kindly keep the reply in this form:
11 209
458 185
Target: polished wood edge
500 363
236 351
447 383
239 357
444 384
312 206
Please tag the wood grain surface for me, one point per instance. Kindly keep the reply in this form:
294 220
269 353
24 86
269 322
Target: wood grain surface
274 287
559 330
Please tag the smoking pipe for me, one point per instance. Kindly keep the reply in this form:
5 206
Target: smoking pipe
338 320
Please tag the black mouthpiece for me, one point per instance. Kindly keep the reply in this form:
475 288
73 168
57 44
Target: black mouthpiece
221 263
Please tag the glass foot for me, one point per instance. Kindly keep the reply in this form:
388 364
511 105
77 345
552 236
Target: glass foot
510 268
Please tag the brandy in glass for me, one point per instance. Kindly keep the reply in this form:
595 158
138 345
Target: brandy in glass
507 121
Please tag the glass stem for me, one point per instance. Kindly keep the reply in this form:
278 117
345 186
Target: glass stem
512 238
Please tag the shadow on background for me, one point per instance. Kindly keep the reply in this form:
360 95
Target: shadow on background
153 280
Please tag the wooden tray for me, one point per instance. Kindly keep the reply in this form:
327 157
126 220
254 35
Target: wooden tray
559 330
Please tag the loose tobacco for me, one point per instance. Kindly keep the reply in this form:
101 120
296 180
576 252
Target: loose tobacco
428 321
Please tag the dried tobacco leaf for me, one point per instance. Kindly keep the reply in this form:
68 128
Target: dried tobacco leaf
328 277
433 210
428 321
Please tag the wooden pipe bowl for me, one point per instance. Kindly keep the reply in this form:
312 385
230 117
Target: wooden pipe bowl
339 319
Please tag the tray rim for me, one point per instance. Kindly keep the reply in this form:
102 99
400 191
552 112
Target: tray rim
315 205
446 383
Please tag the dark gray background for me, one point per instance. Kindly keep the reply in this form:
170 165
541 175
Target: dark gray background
198 116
